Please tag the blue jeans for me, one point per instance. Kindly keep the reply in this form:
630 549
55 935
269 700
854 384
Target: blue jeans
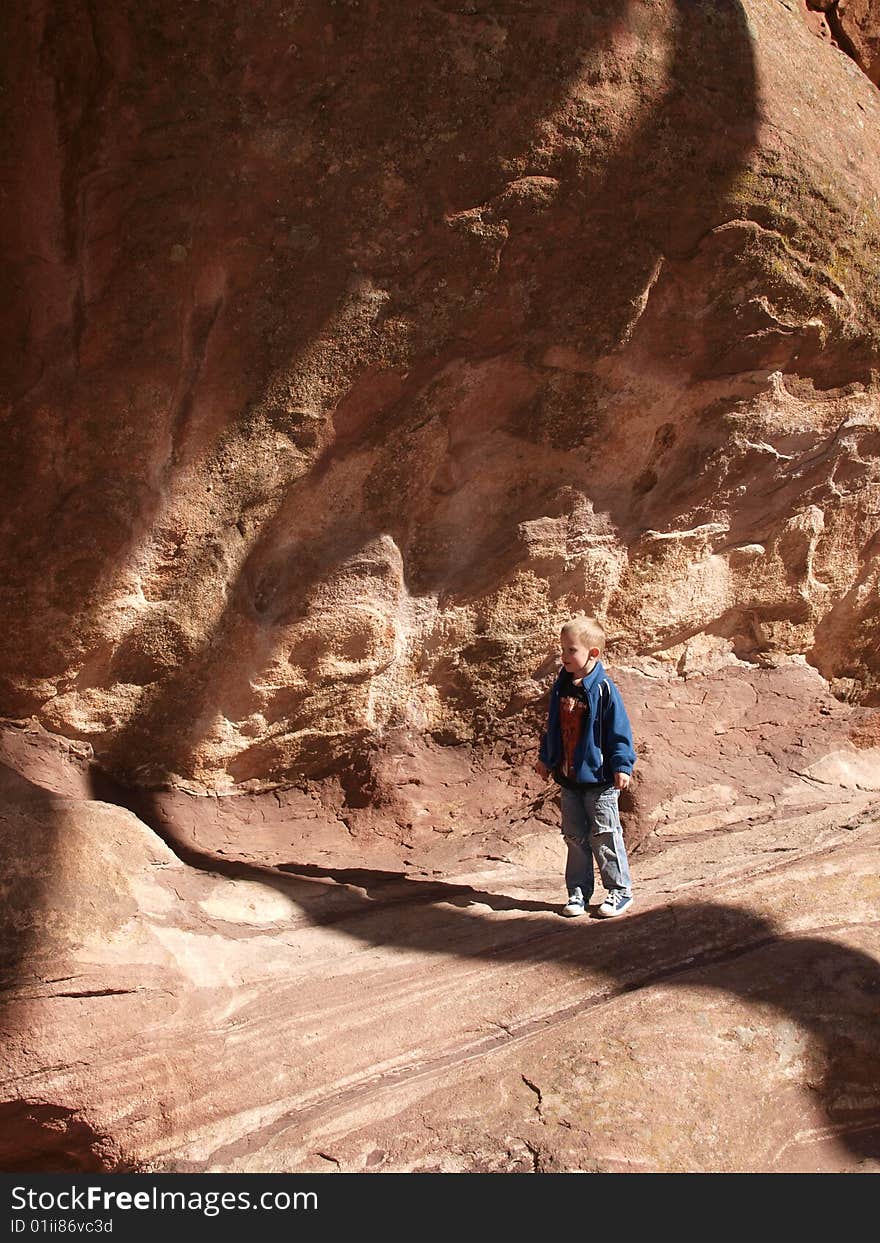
591 823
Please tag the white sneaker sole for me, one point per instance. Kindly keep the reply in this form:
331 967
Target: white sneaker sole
573 911
606 914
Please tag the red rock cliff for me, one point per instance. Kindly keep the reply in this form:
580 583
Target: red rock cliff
353 346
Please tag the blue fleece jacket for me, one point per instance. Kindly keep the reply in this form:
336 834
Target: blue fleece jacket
606 744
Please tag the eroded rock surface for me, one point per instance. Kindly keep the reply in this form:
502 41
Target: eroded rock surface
854 25
338 380
333 382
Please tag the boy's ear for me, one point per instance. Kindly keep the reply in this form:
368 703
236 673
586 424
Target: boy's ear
594 651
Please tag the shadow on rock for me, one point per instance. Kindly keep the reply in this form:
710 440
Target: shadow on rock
828 989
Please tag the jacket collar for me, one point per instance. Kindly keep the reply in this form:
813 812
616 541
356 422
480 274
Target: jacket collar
594 677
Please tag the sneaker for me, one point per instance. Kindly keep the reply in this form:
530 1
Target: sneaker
615 903
575 904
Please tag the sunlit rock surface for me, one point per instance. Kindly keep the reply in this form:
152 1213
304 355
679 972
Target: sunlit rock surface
338 380
332 382
853 26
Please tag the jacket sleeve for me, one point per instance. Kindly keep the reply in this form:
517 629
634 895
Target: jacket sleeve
548 752
617 743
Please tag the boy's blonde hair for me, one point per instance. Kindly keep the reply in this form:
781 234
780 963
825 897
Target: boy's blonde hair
587 630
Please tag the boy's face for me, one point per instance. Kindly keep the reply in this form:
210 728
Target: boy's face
576 656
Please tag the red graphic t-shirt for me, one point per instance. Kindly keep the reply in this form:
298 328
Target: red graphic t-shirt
571 724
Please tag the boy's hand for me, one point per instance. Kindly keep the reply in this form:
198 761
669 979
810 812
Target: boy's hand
542 769
621 780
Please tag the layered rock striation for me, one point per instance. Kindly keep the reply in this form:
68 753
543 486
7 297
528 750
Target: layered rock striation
251 997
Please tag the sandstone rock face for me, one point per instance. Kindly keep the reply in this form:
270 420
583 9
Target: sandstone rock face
855 27
355 347
351 349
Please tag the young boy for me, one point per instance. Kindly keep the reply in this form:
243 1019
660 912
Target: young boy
587 748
